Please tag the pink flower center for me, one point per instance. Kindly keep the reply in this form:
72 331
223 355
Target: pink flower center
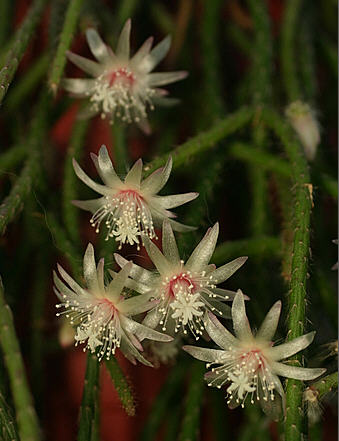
253 359
128 195
180 283
122 76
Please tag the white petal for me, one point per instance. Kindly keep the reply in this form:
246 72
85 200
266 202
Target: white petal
152 319
90 270
88 66
289 348
63 289
78 86
218 333
157 54
295 372
123 42
240 321
224 272
269 325
137 304
102 189
142 331
175 200
156 256
100 274
169 244
133 177
204 250
203 354
119 281
129 350
71 282
91 205
139 274
181 228
142 52
162 78
97 46
107 171
156 181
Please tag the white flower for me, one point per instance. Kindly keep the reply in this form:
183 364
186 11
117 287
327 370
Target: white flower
130 207
250 364
184 290
302 119
122 87
101 313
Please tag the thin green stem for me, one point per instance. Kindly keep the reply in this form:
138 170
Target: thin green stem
307 55
19 45
8 429
122 386
326 384
5 20
69 27
120 148
239 38
26 417
12 157
191 422
13 203
204 141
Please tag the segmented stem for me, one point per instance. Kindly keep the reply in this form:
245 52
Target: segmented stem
326 384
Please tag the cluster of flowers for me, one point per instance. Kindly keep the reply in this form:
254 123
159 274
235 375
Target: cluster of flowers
178 298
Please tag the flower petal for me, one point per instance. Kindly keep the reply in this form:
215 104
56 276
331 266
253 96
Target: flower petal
218 333
137 272
176 200
78 86
97 46
269 325
133 177
298 373
181 228
90 270
156 55
204 354
119 281
142 52
88 66
240 321
142 331
107 172
123 45
204 250
156 256
130 351
156 181
137 305
102 189
71 282
91 205
169 244
100 274
224 272
162 78
289 348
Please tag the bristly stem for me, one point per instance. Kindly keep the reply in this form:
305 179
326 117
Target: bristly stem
19 45
191 422
122 386
8 429
13 203
302 189
71 18
26 417
326 384
89 410
204 141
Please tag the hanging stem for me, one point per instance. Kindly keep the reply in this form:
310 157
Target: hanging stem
326 384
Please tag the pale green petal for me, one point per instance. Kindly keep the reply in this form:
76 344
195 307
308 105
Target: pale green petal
218 333
71 282
269 325
133 177
91 205
204 250
204 354
272 408
181 228
63 289
217 307
169 244
142 332
107 171
226 294
295 372
142 52
137 272
88 66
123 45
78 86
157 54
156 181
224 272
240 321
137 305
119 281
130 351
163 78
90 270
152 319
135 285
156 256
289 348
100 274
165 101
102 189
97 46
175 200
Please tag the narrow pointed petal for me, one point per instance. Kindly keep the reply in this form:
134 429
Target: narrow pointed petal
163 78
224 272
240 321
176 200
124 41
90 270
165 101
204 250
295 372
217 307
169 244
78 86
102 189
131 351
156 256
100 274
152 319
181 228
157 54
137 305
63 289
156 181
142 331
203 354
107 171
218 333
139 274
133 177
289 348
88 66
91 205
142 52
71 282
269 325
97 46
119 281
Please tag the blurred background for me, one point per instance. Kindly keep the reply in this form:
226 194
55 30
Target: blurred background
238 53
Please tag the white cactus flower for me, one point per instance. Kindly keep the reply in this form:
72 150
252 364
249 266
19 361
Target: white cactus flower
123 87
131 208
249 365
101 313
184 290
